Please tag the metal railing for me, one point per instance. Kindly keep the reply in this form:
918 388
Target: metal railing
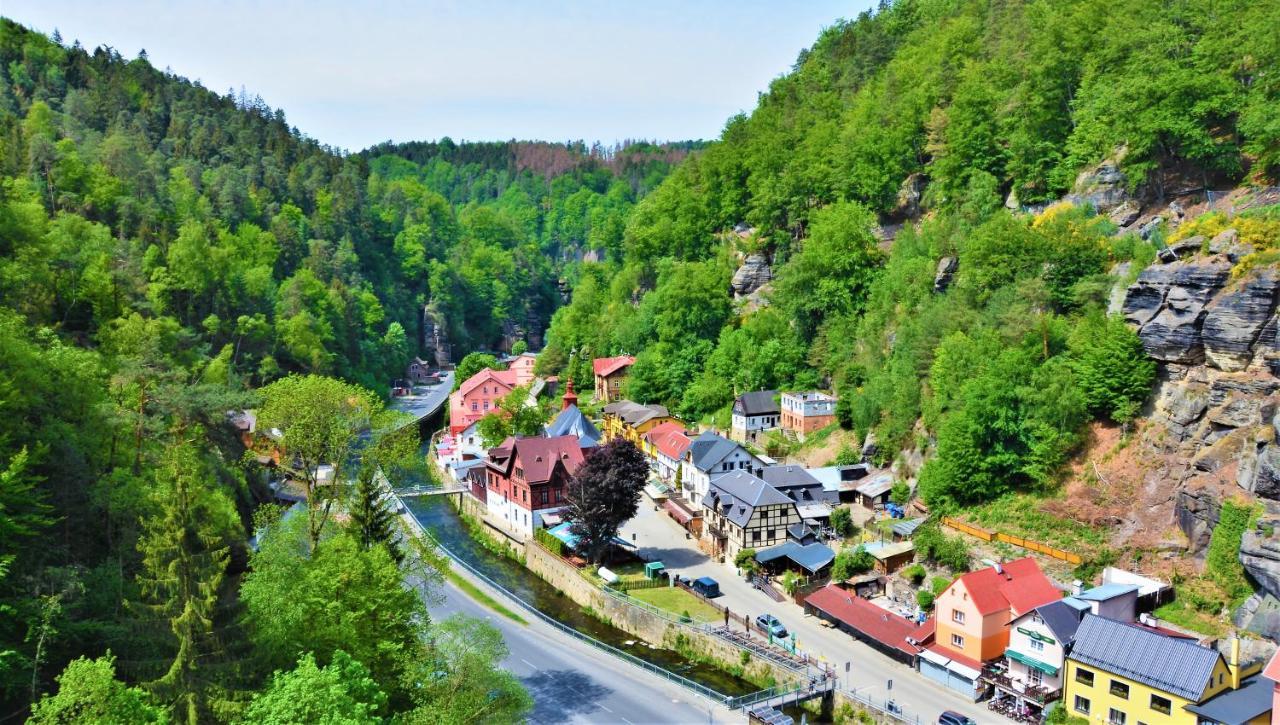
886 707
700 689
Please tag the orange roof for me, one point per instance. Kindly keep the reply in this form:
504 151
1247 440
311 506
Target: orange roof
1019 586
606 366
504 377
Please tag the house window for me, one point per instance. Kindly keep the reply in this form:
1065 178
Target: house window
1082 705
755 536
474 406
772 533
1037 645
1119 689
486 405
545 496
957 616
957 640
1115 717
1084 677
1161 704
1035 677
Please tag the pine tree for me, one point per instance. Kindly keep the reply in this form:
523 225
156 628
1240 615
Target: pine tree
184 557
374 524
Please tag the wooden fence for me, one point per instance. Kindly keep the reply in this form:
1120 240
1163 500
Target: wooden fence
987 535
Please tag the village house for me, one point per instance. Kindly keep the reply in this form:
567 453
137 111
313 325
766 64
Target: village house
478 395
522 366
888 633
527 478
710 455
1031 672
814 502
611 374
744 512
418 371
753 414
804 413
973 618
668 445
625 419
1124 673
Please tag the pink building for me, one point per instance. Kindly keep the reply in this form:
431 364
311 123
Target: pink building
479 396
522 366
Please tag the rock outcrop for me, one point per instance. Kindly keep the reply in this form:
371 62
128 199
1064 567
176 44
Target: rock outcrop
1234 320
1260 555
909 196
947 267
1167 303
753 274
1104 187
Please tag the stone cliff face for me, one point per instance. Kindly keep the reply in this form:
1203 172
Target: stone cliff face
1218 396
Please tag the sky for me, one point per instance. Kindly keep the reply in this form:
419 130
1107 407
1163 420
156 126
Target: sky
355 73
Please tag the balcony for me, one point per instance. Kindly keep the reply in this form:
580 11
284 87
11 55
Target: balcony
997 675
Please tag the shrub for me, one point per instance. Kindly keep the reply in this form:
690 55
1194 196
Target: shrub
925 598
915 574
939 584
842 522
554 545
746 561
901 493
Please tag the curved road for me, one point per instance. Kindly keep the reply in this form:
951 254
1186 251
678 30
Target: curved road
573 682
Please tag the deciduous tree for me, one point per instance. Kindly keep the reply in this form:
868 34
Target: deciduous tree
604 494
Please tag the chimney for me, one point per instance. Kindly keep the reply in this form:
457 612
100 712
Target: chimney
1235 662
1077 588
569 398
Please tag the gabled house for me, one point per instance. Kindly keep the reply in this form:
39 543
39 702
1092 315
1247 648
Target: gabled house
478 395
527 479
744 512
754 413
522 366
625 419
711 455
1030 674
1119 672
669 445
418 371
804 413
814 502
973 618
611 375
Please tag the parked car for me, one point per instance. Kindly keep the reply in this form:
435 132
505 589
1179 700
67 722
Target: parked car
707 587
770 624
951 717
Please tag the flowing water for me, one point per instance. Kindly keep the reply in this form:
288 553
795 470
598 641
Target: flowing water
438 516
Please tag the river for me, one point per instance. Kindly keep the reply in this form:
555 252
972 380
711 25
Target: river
438 516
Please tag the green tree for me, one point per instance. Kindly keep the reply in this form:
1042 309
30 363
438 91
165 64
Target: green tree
320 420
341 693
458 679
184 550
1111 368
88 691
604 493
372 521
471 364
842 522
850 562
519 347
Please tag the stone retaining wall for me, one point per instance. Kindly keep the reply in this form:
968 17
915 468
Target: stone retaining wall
647 625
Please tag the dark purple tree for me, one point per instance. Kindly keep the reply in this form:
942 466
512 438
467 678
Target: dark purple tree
604 494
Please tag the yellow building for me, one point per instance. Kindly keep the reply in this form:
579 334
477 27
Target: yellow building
1128 674
625 419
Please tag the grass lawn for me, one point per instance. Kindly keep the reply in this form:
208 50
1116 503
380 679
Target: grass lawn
677 601
631 571
475 593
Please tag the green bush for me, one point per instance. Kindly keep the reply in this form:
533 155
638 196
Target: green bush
925 598
915 573
939 584
842 522
554 545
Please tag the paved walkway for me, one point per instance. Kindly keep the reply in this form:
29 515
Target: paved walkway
659 537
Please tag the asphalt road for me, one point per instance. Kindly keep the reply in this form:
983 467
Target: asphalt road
572 682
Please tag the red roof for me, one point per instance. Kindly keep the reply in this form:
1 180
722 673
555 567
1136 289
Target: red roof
879 624
539 456
1018 587
1272 670
955 656
669 438
606 366
504 377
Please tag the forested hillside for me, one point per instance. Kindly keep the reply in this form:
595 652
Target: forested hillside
964 119
166 251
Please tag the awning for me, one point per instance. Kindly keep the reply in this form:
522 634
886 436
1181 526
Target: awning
1044 667
677 512
935 658
551 519
941 660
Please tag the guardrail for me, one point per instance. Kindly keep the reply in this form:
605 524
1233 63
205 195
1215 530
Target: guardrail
883 707
700 689
979 532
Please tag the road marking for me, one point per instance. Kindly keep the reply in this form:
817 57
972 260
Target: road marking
527 662
605 707
623 719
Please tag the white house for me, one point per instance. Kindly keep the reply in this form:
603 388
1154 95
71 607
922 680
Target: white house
753 414
711 455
